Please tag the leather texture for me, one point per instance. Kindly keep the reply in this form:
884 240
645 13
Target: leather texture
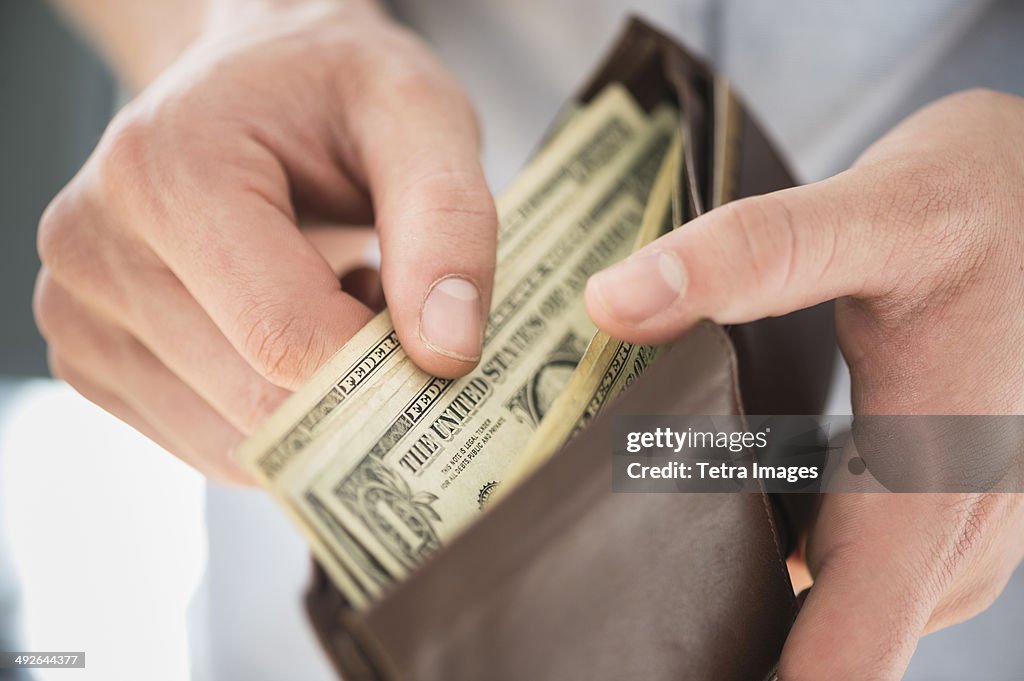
564 579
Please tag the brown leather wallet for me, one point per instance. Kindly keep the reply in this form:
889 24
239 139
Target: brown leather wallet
564 579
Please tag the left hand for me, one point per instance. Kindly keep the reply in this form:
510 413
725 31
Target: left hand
922 242
179 289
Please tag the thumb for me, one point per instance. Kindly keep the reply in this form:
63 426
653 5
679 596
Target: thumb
877 582
761 256
857 623
435 216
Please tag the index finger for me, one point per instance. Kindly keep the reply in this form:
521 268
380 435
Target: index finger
232 240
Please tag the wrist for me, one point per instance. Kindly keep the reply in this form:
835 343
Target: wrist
188 21
137 38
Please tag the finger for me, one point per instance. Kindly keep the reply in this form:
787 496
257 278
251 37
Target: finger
849 629
109 401
418 144
178 332
758 257
118 371
232 240
64 370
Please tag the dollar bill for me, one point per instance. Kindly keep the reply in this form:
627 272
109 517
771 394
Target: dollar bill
570 161
608 365
374 360
427 462
407 478
378 463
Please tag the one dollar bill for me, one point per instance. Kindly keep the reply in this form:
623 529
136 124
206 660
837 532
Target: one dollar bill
381 464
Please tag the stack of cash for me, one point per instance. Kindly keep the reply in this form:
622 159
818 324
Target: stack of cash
381 464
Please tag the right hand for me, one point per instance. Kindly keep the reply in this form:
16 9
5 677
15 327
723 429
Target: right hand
177 290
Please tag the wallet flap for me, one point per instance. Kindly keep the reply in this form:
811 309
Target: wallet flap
566 579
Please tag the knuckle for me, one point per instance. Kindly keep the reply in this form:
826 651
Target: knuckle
262 403
399 70
452 193
768 238
415 84
46 306
281 346
415 76
78 251
124 168
124 149
56 240
440 207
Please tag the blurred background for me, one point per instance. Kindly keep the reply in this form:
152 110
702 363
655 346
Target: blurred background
55 100
105 541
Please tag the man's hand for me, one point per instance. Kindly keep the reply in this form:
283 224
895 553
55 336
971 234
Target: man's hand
922 241
178 290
